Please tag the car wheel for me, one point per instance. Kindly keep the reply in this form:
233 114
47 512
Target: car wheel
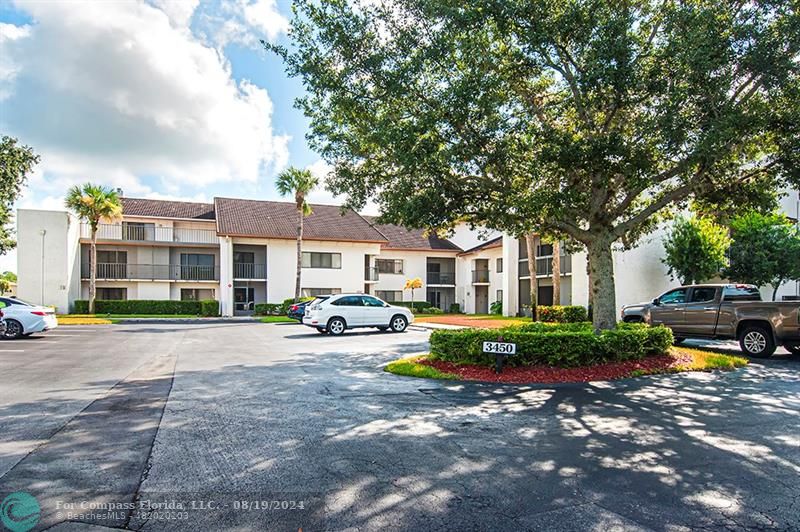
13 330
678 340
756 342
399 323
336 326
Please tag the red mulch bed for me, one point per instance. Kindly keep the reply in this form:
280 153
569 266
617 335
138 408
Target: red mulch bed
550 375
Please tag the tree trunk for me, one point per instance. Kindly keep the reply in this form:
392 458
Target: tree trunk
299 253
93 269
556 272
530 244
776 288
602 289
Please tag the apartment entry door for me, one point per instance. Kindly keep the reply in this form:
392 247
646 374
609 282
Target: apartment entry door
244 299
481 299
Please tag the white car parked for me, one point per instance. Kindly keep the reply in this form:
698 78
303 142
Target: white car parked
337 313
23 319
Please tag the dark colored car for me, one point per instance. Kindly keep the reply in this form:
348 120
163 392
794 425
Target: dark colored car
298 310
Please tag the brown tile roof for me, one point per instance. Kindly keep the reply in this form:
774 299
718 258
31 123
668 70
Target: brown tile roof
167 209
402 238
277 219
496 242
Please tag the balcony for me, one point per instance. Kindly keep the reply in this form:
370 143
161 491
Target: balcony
480 276
152 272
249 270
544 266
150 233
371 275
442 278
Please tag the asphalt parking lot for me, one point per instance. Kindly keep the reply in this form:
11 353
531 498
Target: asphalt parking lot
220 417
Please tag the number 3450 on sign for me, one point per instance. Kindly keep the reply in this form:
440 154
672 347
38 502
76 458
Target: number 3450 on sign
500 348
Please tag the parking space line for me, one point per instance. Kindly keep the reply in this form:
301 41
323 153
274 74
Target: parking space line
12 350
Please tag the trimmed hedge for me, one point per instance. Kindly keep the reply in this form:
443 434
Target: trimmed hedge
209 307
562 314
565 345
417 306
150 306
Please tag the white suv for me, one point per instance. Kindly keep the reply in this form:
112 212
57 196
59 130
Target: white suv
337 313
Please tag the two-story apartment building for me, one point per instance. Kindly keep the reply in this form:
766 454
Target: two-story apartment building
243 252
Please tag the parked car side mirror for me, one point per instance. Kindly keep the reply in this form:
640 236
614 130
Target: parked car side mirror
656 301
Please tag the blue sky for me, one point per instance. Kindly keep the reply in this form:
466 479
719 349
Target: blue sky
170 99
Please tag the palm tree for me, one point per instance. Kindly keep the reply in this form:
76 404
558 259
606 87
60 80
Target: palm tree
299 183
93 203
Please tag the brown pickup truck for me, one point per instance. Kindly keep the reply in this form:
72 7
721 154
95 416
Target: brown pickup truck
722 312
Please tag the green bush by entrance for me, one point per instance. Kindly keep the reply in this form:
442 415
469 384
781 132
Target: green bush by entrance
565 345
562 314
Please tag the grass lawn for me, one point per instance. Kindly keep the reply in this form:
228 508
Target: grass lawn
122 316
277 319
409 367
83 320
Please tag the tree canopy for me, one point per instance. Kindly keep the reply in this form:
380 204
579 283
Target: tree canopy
591 118
16 162
695 250
765 250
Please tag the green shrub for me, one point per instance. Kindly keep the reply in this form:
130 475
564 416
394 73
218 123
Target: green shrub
141 306
455 308
432 310
496 308
209 307
417 306
566 345
562 314
267 309
541 326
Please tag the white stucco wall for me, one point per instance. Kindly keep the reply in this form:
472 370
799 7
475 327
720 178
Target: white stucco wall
414 265
465 294
467 238
47 264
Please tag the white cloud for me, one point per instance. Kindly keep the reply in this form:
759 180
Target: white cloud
115 91
179 11
242 21
321 169
263 15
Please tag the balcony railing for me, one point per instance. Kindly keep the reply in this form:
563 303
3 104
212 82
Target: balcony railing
149 233
544 266
371 274
480 276
248 270
441 278
155 272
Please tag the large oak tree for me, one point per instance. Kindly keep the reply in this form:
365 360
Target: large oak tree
589 118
